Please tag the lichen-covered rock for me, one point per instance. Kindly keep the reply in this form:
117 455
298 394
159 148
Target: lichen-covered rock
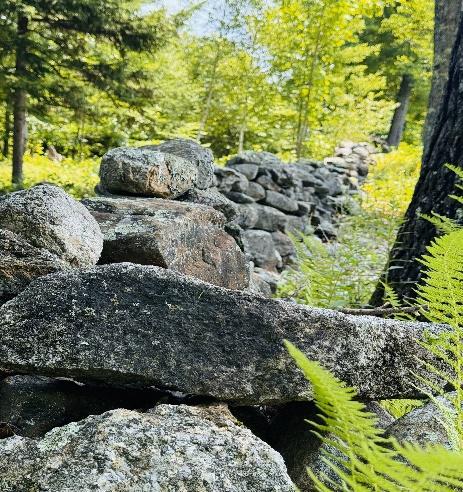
173 448
183 237
20 263
30 406
191 151
145 172
425 425
43 230
124 324
49 218
212 198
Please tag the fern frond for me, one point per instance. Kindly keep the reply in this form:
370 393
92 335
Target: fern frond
364 460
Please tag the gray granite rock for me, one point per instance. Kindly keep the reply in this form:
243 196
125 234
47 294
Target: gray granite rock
231 180
256 191
260 249
184 237
192 152
281 202
427 425
249 170
238 197
269 219
124 324
20 263
172 448
212 198
43 230
145 172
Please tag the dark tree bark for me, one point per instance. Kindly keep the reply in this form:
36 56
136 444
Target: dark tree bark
447 14
434 186
400 114
20 104
6 131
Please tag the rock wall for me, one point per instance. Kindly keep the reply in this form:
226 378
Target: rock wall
132 341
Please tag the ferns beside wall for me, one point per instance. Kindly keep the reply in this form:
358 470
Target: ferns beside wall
364 460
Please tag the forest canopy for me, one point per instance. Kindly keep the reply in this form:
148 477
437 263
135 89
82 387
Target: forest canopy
293 77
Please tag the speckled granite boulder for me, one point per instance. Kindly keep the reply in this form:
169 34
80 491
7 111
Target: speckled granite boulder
173 448
194 153
42 230
184 237
146 172
425 425
123 324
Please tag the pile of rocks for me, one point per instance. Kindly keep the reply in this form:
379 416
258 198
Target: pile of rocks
133 355
274 198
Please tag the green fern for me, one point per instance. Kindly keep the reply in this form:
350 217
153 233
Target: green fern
459 172
366 461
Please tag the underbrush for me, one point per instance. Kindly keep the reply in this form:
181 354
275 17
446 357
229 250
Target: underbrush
78 178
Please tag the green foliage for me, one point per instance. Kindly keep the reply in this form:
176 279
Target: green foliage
78 178
366 461
341 273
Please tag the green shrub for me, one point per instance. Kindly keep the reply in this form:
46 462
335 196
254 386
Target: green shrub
78 178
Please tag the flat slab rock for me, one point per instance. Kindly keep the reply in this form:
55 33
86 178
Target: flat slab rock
174 448
126 323
183 237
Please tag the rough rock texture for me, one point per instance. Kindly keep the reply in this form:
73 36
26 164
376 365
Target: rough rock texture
260 248
127 323
32 405
306 196
20 263
423 426
172 448
186 238
139 171
194 153
43 230
212 198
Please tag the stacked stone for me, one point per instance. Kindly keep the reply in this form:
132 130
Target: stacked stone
138 373
274 199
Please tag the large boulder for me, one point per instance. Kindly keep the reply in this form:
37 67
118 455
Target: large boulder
124 324
184 237
146 172
192 152
173 448
43 230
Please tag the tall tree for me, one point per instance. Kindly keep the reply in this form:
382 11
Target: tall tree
50 45
435 185
447 14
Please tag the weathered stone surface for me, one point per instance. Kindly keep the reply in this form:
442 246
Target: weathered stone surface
146 172
249 170
238 197
173 448
191 151
30 406
127 323
256 191
261 250
20 263
48 218
270 219
283 244
281 202
258 286
186 238
231 180
424 426
212 198
258 158
248 216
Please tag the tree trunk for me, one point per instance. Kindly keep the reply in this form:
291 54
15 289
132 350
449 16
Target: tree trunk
434 186
446 27
7 131
400 114
20 104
